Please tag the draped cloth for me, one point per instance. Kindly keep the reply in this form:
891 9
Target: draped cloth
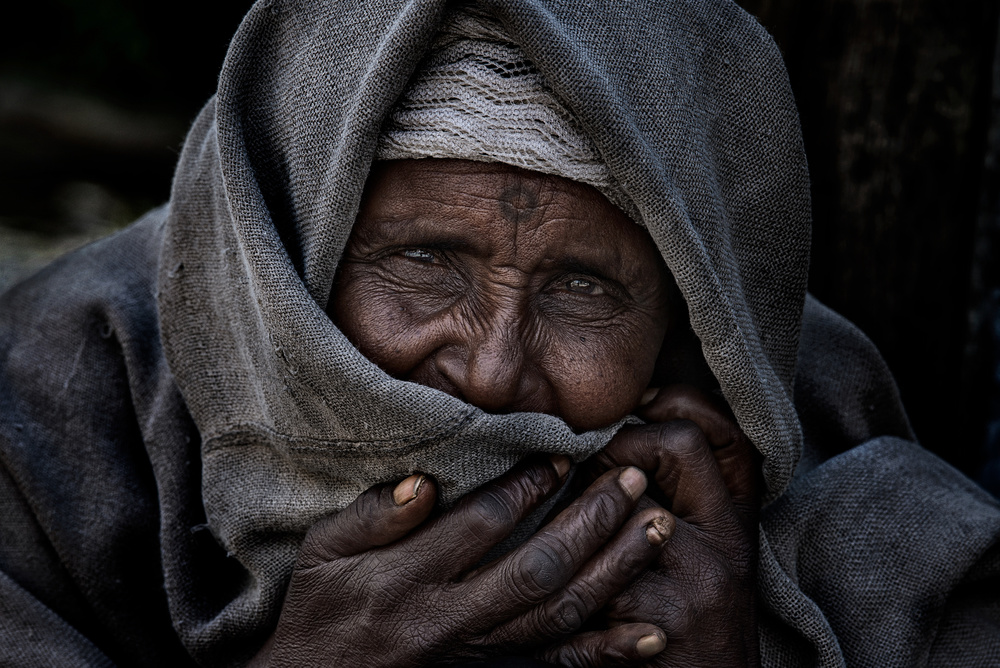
477 96
176 408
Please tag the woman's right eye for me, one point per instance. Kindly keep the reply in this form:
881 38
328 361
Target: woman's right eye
419 254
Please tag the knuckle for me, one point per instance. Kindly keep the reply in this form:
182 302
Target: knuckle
536 479
684 437
714 580
527 490
628 563
571 655
678 439
603 515
488 514
607 458
537 571
567 615
327 538
362 514
631 445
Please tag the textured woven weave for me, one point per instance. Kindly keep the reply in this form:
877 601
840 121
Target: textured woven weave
176 407
477 96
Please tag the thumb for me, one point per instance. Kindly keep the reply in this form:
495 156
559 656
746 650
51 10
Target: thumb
736 456
381 515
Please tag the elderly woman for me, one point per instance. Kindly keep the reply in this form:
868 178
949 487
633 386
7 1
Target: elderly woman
419 260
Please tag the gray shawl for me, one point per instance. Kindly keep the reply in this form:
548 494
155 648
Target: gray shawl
178 409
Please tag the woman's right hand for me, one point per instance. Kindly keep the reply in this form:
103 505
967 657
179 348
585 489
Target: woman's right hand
377 585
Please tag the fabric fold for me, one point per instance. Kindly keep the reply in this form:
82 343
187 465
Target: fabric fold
248 415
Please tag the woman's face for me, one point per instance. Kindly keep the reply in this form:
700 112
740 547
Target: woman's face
509 289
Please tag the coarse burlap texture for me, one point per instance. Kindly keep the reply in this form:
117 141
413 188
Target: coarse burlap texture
176 408
288 409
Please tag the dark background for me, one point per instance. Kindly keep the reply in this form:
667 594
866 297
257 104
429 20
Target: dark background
900 105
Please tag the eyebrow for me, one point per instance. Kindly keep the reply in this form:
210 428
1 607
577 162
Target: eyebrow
577 264
412 231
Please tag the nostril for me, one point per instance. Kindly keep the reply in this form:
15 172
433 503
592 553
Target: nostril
482 377
440 372
449 368
492 379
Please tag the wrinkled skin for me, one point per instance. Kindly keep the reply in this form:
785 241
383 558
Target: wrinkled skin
701 589
512 290
517 291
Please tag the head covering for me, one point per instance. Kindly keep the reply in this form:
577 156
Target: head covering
177 408
477 96
690 110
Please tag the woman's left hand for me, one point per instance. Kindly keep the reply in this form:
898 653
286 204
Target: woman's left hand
701 591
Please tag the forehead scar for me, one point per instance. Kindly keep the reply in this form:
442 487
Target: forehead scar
518 202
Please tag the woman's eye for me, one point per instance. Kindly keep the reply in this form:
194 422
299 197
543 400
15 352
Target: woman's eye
583 286
419 254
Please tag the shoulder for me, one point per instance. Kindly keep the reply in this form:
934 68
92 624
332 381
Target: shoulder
845 394
115 274
92 309
80 358
78 344
885 538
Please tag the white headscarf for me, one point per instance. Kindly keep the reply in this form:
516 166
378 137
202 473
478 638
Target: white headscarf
477 96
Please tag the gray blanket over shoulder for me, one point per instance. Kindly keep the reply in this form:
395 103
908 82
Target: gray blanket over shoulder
176 408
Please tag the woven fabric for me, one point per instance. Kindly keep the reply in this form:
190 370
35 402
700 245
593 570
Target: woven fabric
477 96
176 407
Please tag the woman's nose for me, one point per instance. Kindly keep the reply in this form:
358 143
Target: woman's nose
487 366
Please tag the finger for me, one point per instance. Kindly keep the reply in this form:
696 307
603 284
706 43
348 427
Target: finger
626 644
605 576
686 402
487 515
677 456
548 560
738 460
381 515
701 598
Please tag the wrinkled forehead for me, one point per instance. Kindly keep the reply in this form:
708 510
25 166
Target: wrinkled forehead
402 188
508 213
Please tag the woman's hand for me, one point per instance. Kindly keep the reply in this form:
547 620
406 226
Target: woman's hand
377 585
701 589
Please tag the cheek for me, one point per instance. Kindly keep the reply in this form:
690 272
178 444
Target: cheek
383 322
599 375
593 370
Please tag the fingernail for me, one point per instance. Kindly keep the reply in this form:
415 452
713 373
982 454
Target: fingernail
561 464
659 531
407 490
649 645
648 396
633 480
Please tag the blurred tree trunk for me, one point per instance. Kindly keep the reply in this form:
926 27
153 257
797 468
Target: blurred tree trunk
894 97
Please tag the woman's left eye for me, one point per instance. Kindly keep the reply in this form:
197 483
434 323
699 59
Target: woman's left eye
583 286
419 254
